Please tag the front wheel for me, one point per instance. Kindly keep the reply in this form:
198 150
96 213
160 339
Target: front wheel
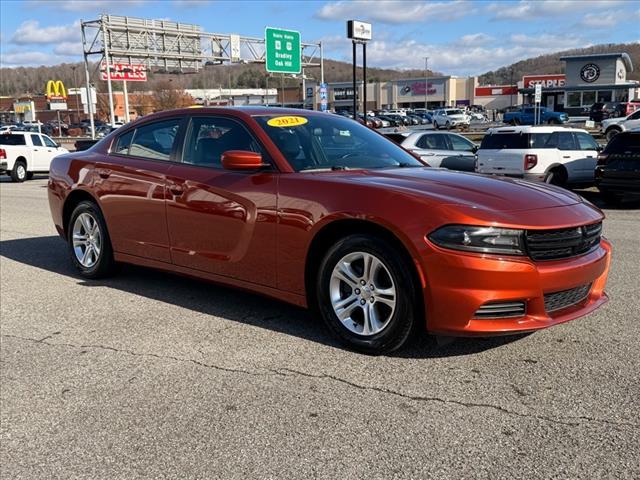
366 295
557 177
89 241
435 125
612 132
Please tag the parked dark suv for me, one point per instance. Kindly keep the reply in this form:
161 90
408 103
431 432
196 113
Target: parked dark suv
601 111
618 170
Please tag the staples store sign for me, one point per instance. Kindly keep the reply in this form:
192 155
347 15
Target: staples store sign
547 81
123 71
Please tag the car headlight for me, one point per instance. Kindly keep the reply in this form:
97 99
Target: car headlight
480 239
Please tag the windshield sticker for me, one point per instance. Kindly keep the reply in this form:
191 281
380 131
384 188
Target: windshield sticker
345 133
286 121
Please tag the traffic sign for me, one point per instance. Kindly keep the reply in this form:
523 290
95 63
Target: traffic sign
323 97
538 93
283 50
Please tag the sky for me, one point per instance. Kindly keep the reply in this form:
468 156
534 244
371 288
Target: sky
460 37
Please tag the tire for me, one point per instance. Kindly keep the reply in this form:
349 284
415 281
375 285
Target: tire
100 262
448 126
612 132
30 175
391 314
19 172
435 125
556 176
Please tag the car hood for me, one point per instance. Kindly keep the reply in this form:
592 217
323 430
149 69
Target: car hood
445 187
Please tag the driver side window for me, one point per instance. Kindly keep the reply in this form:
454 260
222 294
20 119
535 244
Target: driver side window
209 137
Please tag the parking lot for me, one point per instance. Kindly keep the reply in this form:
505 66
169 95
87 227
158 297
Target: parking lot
150 374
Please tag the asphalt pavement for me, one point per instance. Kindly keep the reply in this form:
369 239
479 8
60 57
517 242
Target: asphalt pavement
150 375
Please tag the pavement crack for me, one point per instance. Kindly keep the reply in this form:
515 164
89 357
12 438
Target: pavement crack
135 354
568 421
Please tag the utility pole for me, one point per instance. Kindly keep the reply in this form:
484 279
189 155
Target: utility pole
426 83
75 85
355 96
364 81
511 89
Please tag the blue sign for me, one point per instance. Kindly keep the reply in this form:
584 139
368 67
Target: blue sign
323 97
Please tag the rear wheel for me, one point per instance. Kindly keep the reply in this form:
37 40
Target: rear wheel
556 176
366 295
89 241
435 125
19 172
448 126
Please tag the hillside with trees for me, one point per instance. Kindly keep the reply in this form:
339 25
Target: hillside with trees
547 64
32 80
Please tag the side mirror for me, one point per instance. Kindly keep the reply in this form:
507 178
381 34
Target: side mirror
242 160
599 148
474 149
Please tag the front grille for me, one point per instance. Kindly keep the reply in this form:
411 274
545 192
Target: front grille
567 298
562 243
501 310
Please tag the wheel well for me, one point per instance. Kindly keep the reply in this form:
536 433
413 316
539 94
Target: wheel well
613 127
21 159
70 204
338 229
561 168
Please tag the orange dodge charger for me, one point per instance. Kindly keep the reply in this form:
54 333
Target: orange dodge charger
319 211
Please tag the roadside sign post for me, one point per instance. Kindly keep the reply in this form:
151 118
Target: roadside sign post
537 100
359 32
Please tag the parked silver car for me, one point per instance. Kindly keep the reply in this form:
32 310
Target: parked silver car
443 149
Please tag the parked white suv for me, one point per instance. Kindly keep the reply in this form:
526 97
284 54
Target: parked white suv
558 155
450 118
24 153
612 126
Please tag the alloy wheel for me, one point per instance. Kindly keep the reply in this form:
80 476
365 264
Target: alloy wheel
363 293
87 240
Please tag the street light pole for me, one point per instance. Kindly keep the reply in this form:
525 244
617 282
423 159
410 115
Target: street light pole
75 85
511 89
426 82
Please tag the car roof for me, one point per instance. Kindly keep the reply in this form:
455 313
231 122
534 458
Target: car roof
534 129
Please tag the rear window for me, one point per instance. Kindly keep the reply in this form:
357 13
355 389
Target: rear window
12 140
624 142
515 141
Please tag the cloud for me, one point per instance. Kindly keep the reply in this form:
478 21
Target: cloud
68 49
475 39
190 3
474 58
601 20
386 11
529 10
87 5
30 33
15 58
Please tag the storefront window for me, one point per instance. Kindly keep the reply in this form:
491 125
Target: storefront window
621 95
573 99
588 98
604 96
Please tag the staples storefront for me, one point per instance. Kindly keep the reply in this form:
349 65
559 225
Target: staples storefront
588 79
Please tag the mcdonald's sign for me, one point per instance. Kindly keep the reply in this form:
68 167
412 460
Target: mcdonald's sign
56 90
56 95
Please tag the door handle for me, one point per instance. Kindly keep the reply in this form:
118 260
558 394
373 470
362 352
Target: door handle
104 173
566 156
35 149
176 189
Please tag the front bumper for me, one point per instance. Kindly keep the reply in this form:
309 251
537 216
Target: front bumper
458 284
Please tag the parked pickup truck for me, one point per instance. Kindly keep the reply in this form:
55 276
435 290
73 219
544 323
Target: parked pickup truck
24 153
526 116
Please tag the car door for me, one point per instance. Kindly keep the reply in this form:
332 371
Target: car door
587 156
39 157
222 221
461 156
527 116
633 121
130 183
52 150
567 154
433 148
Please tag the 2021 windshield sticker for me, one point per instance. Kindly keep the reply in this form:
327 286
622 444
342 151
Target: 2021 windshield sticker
290 121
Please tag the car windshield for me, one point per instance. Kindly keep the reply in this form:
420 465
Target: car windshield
454 112
328 142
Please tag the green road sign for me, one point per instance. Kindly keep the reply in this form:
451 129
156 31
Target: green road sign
283 50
